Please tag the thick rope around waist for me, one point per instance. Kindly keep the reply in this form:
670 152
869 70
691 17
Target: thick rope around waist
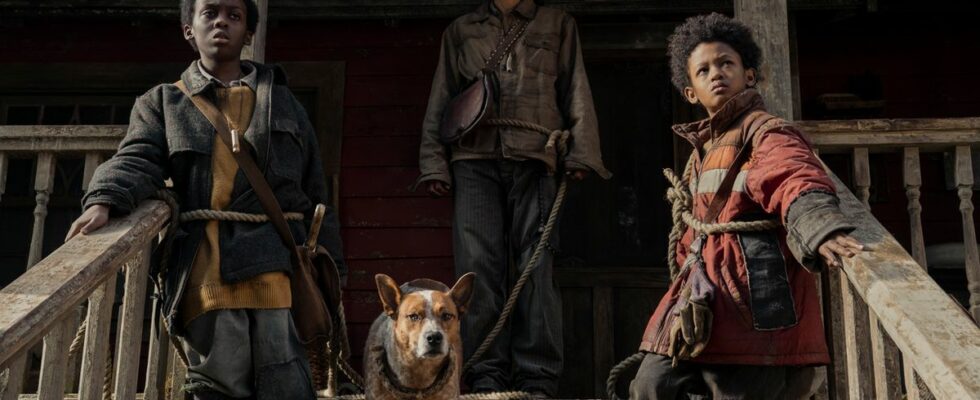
680 198
557 138
216 215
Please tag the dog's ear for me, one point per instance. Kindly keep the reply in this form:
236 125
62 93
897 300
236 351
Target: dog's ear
462 291
390 294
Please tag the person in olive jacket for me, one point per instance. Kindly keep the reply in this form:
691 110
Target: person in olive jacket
226 291
503 179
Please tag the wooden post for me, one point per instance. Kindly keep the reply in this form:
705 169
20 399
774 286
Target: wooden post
54 360
15 377
92 161
178 374
156 364
860 380
911 172
769 21
885 358
256 51
833 311
964 183
862 175
131 325
97 344
43 184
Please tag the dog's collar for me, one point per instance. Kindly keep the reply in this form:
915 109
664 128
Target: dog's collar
391 382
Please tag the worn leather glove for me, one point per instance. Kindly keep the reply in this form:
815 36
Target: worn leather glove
691 328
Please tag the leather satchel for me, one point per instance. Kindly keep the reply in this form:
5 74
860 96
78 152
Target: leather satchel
314 282
465 111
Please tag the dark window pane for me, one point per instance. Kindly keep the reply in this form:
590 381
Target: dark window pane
121 116
22 115
19 177
68 177
95 115
58 115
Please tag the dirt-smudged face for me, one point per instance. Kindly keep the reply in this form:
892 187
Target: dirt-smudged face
425 321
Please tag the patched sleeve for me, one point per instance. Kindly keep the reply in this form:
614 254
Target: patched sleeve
812 217
788 180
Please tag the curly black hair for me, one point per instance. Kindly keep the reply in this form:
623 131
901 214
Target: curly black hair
709 28
251 14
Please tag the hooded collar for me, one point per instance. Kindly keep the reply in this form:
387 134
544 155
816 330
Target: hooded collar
526 8
699 132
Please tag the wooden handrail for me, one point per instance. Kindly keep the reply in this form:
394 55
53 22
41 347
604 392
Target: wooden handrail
891 134
60 138
41 297
935 335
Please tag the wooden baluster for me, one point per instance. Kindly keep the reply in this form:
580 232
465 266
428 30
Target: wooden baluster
886 361
178 374
43 183
833 309
73 377
15 376
860 379
4 162
158 354
911 389
131 325
92 161
964 184
97 343
862 175
911 172
54 360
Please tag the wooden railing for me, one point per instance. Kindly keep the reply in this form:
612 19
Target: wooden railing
44 301
887 320
41 304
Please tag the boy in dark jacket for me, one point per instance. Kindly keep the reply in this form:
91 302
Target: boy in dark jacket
227 289
742 319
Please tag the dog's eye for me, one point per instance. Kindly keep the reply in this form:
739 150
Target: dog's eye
447 317
414 317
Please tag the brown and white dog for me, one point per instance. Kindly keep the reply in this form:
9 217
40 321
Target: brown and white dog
414 349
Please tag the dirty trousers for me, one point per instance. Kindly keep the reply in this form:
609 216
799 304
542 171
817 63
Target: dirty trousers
501 207
246 354
657 380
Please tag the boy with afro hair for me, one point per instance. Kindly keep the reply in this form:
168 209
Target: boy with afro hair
226 292
742 317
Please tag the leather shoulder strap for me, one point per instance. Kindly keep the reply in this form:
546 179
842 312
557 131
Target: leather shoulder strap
725 189
506 44
255 177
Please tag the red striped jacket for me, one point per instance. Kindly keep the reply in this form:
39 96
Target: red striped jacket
781 167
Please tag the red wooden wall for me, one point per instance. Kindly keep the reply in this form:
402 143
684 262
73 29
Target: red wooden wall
386 227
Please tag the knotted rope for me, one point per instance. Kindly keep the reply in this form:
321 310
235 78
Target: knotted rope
681 202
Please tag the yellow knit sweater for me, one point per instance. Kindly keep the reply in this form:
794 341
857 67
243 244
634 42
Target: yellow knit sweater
205 289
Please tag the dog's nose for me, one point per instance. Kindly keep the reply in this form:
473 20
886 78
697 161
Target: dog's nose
434 339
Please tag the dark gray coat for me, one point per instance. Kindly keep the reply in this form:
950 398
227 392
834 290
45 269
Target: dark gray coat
169 138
